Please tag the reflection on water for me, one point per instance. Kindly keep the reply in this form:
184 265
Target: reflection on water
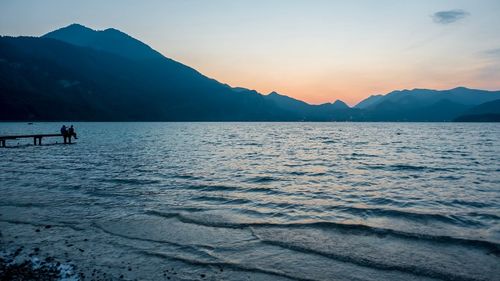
303 201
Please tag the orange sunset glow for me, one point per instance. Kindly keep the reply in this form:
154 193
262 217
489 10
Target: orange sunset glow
317 52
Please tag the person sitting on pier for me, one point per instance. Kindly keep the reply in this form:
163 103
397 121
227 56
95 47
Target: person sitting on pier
64 133
71 133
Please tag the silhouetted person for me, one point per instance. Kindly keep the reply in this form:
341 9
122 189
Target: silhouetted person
64 133
71 133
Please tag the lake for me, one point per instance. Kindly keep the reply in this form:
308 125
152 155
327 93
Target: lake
256 201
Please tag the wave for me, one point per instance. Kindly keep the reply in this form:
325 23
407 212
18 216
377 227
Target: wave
263 190
297 173
408 268
223 200
263 179
251 144
395 213
211 187
491 247
285 205
193 247
484 215
25 205
183 176
227 188
311 174
385 201
259 213
131 181
402 167
224 264
470 203
354 154
460 220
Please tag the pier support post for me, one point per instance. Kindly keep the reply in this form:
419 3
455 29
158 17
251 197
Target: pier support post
2 143
37 140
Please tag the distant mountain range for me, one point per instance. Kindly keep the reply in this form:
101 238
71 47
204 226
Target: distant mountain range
76 73
485 112
424 105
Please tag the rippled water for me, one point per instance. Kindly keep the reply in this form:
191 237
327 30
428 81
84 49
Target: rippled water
261 201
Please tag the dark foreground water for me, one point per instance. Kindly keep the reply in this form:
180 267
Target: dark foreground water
257 201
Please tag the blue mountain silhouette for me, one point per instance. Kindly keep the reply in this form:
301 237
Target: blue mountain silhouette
77 73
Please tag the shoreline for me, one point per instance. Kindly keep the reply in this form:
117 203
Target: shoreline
21 261
46 252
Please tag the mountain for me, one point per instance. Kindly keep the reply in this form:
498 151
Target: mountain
76 73
368 102
425 97
109 40
338 104
338 110
485 112
46 79
119 43
424 104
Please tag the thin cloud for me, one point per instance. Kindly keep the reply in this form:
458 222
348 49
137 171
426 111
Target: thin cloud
492 53
451 16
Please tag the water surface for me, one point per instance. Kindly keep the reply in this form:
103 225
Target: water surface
260 201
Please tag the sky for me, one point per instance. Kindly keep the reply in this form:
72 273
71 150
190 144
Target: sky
314 50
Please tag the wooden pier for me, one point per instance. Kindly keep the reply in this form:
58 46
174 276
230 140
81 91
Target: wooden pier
37 139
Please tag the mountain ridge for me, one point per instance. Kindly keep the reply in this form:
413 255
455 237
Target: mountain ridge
110 39
114 76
